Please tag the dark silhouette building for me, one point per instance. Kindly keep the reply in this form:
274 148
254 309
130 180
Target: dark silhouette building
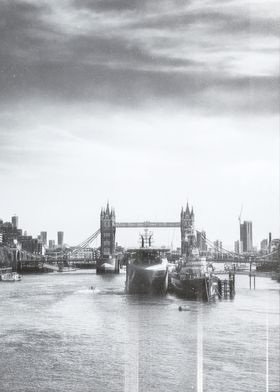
15 221
44 237
60 235
246 236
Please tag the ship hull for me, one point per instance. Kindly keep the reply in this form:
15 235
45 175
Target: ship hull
107 267
203 288
141 280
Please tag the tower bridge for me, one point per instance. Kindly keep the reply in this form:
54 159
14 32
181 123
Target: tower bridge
108 227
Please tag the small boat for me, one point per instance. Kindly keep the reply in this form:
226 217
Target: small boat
107 266
183 308
10 277
62 268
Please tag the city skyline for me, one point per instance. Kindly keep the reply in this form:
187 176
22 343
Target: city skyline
108 101
173 242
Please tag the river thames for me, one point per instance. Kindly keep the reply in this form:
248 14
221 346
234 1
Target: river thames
80 332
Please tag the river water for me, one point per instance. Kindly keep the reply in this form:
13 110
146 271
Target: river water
57 334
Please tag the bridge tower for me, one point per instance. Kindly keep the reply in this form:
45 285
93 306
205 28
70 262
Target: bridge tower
107 233
187 231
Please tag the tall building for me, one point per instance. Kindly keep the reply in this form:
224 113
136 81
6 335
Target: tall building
218 245
269 242
15 221
238 247
246 236
51 244
264 245
60 235
44 236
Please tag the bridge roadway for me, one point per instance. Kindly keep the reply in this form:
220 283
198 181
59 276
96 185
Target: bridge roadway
147 224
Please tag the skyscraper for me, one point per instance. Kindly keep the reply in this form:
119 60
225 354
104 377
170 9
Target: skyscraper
264 245
15 221
246 236
51 244
60 238
218 245
44 237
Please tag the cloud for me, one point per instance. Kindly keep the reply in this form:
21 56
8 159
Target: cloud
199 55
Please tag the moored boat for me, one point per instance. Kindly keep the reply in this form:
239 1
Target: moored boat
62 268
107 266
147 270
10 277
194 279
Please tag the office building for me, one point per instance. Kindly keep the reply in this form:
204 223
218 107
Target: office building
44 236
15 221
238 247
60 235
51 244
246 236
218 246
264 245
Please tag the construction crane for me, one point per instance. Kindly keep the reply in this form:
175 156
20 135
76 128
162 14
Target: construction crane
239 216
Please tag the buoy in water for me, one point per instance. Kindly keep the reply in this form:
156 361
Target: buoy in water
183 308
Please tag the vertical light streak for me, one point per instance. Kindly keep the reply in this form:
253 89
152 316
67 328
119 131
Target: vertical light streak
199 349
267 359
131 371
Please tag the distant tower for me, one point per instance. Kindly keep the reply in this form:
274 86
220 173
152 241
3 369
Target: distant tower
187 231
15 221
51 244
246 236
108 232
60 235
44 236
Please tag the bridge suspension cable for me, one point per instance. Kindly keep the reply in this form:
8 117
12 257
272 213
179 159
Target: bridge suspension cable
274 252
221 249
234 254
84 244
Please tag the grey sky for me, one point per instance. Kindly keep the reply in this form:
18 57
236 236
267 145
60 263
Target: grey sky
146 103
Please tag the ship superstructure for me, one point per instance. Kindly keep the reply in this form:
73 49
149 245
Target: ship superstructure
193 278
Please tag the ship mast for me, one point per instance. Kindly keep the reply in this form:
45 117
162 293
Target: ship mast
146 239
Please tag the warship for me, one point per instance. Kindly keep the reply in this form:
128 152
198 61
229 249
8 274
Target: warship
147 269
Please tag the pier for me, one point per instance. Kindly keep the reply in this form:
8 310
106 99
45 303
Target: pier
226 287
